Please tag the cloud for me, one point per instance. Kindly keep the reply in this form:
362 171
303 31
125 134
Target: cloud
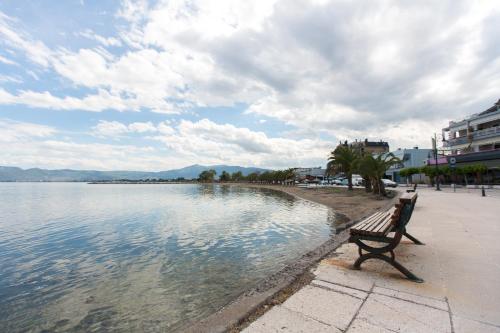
15 130
207 142
106 41
332 66
33 145
7 61
35 50
214 143
102 100
329 70
116 129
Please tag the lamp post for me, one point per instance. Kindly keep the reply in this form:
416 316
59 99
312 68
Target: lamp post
434 146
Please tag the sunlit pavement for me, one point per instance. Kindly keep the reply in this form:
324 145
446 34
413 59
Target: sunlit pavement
460 263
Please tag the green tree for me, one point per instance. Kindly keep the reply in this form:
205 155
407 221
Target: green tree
344 158
253 177
237 176
289 175
207 176
375 168
225 176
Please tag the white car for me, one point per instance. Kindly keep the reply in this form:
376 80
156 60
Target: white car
389 183
358 181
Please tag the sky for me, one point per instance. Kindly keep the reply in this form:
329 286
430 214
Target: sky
158 85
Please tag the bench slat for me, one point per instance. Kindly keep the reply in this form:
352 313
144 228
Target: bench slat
373 222
384 228
374 226
368 220
367 226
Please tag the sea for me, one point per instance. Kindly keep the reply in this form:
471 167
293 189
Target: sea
77 257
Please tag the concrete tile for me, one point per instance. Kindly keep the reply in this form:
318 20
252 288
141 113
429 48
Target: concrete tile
440 304
353 292
362 326
402 316
349 278
462 325
329 307
280 319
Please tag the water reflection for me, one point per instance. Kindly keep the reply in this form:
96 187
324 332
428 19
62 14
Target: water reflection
79 258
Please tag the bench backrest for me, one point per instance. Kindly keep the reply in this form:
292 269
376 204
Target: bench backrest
404 210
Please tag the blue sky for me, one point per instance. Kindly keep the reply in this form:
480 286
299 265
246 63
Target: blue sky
155 85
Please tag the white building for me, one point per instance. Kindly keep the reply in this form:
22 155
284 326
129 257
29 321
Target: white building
410 158
310 174
479 132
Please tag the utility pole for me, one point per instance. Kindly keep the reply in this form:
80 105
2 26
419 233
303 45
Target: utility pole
434 146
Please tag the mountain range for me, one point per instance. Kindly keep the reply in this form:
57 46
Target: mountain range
15 174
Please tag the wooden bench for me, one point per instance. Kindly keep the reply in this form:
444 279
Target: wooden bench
413 189
377 227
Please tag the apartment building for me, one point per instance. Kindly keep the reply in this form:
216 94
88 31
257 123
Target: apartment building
479 132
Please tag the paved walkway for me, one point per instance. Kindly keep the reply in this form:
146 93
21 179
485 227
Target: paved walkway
460 264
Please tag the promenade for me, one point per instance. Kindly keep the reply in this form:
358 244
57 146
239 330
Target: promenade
460 263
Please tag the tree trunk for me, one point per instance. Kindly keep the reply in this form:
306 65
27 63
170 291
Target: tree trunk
368 184
375 186
382 188
349 182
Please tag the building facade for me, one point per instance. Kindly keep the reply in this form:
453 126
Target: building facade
479 132
309 174
410 158
369 147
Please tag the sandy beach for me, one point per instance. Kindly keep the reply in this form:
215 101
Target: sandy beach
354 205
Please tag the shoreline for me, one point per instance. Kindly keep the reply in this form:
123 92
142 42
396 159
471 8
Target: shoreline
276 288
352 206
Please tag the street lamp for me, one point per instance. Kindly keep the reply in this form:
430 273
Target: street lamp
434 146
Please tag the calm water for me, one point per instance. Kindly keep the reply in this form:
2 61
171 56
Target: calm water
129 258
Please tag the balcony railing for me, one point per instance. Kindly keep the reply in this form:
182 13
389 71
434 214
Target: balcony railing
486 133
477 135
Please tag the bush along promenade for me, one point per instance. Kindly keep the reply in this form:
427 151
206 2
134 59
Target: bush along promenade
475 173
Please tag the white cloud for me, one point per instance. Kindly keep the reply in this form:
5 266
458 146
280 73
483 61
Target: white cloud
116 129
102 100
32 145
8 78
207 142
34 49
139 127
15 130
7 61
329 69
106 41
214 143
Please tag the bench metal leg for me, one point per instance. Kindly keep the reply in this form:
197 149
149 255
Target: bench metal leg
413 239
394 263
378 253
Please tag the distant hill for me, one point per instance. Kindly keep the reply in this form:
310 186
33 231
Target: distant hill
14 174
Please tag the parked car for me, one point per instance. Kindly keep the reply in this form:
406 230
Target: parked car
389 183
358 181
338 181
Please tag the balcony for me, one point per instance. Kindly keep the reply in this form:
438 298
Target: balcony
457 141
486 133
475 136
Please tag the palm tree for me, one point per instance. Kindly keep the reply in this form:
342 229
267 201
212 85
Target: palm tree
375 168
365 167
289 176
344 158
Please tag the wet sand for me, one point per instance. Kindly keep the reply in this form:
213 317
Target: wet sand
354 204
